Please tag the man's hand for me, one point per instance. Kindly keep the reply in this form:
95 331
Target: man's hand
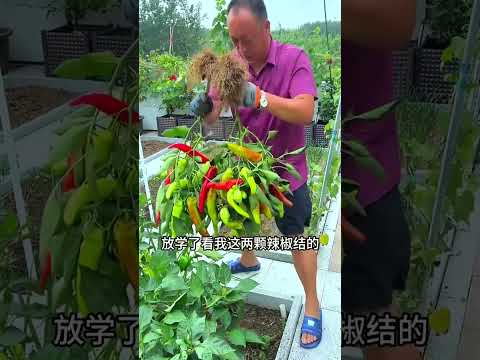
251 95
350 232
201 105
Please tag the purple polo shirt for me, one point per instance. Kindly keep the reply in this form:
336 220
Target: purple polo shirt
367 83
287 73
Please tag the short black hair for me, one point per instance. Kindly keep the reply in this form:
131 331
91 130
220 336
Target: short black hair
257 7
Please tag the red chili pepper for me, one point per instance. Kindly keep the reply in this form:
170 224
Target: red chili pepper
173 77
157 218
168 181
46 271
189 151
280 196
108 105
68 183
211 173
226 185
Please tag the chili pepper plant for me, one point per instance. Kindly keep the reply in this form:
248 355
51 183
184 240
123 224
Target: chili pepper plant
88 249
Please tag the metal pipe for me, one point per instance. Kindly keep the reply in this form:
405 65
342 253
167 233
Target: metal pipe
456 118
15 180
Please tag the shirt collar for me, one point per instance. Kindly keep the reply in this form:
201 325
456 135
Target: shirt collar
272 52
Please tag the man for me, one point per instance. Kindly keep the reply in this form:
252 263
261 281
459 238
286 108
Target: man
373 268
279 96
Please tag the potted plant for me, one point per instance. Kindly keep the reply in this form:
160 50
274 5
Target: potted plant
444 20
164 77
5 34
77 38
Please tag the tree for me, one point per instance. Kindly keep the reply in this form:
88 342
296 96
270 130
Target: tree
171 26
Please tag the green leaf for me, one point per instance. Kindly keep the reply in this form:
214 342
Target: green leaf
291 169
252 337
196 287
217 346
9 225
203 353
211 254
71 69
246 285
237 337
151 336
357 148
145 316
295 152
11 336
175 316
52 214
72 140
35 310
349 201
109 291
371 164
173 281
375 114
193 326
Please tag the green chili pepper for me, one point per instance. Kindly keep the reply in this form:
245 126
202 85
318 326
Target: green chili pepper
83 195
92 247
184 261
238 207
255 208
270 175
227 175
167 164
212 209
180 168
225 217
170 189
278 206
176 132
183 183
177 209
247 175
102 145
262 197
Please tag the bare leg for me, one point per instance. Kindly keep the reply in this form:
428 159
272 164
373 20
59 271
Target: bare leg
306 265
248 258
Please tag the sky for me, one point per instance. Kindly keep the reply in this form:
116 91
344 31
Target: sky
288 13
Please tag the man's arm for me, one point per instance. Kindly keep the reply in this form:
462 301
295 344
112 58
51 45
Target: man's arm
385 24
298 110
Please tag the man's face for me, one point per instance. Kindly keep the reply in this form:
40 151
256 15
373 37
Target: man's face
248 34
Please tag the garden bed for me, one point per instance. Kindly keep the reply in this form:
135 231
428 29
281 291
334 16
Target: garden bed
35 188
152 147
265 322
26 103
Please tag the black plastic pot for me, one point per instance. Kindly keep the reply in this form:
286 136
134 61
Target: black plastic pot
5 34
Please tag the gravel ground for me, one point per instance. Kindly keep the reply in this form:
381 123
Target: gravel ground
36 190
152 147
29 102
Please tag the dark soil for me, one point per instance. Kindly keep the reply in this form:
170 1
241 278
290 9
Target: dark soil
29 102
263 322
152 147
36 190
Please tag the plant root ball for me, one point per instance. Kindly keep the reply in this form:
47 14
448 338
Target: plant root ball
229 77
202 66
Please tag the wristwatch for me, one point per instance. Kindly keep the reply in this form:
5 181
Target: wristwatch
263 100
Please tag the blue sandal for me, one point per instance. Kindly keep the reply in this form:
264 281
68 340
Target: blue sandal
312 326
237 267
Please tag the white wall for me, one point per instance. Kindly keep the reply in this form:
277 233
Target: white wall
27 23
